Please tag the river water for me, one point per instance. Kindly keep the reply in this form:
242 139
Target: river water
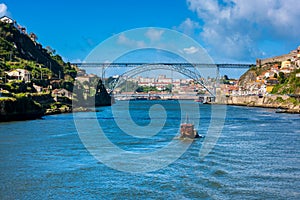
257 156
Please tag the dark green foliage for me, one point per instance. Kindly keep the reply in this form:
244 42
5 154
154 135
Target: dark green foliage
43 83
168 88
68 86
18 87
20 107
146 89
288 84
17 50
20 46
58 59
47 70
281 78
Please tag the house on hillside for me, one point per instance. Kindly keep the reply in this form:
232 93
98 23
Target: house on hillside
230 89
82 79
19 74
270 83
81 72
286 64
87 78
275 69
55 84
38 88
62 93
287 67
297 61
7 20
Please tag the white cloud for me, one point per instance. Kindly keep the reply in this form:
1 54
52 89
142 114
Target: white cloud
3 9
235 28
153 34
188 27
191 50
122 39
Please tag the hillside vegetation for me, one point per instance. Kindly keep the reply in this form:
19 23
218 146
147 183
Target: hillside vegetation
288 85
35 80
20 50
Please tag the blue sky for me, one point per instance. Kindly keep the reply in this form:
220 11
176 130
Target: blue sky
230 30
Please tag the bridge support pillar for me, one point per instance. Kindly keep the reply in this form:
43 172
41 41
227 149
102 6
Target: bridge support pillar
103 74
220 98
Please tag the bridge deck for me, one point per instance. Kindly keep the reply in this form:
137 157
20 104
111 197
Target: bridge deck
219 65
162 95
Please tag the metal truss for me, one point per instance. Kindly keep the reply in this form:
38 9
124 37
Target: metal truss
187 69
182 69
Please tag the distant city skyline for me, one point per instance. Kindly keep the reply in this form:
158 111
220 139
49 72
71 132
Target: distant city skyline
231 30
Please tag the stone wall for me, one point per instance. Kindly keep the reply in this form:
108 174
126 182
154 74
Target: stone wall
261 62
266 102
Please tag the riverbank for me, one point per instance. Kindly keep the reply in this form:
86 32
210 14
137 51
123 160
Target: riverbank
282 103
33 106
17 115
19 108
22 107
67 109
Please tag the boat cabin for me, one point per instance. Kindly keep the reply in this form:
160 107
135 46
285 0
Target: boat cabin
188 131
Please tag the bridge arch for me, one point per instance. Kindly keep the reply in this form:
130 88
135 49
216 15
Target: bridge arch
184 70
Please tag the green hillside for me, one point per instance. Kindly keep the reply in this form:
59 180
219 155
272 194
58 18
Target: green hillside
21 50
288 84
35 81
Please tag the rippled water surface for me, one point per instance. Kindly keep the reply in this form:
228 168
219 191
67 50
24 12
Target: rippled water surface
256 157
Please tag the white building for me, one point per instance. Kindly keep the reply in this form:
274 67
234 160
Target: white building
19 74
7 20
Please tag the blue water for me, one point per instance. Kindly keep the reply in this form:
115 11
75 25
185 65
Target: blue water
256 157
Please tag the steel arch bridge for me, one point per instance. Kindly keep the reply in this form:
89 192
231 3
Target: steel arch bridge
190 70
219 65
195 75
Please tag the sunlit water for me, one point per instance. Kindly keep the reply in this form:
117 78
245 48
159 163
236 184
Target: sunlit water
256 157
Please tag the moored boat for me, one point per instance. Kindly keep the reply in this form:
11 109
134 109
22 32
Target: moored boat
199 100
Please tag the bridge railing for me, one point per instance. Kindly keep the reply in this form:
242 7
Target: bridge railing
219 65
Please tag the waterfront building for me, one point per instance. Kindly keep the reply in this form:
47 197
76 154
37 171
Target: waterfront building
61 93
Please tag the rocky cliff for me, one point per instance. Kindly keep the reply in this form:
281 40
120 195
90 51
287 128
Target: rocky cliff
102 98
248 77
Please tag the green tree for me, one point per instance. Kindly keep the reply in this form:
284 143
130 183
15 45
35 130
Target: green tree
146 89
169 88
281 78
50 51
